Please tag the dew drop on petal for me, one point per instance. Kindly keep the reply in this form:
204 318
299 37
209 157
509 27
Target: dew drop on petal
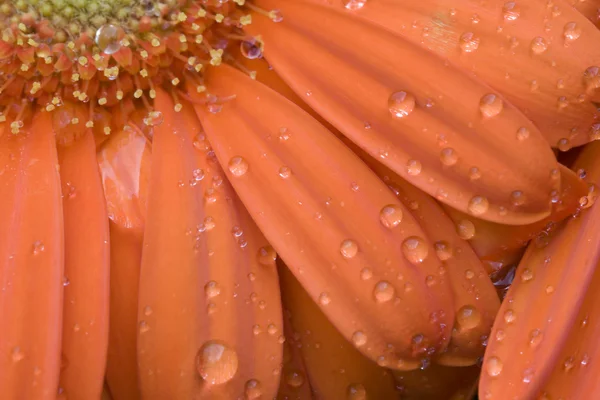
465 229
267 255
401 104
285 172
517 198
217 363
443 250
415 249
478 205
571 32
324 299
522 134
349 248
539 45
238 166
252 389
356 391
359 338
390 216
354 5
448 156
469 42
250 50
413 167
384 292
493 366
509 316
490 105
154 118
212 289
468 317
511 11
535 337
294 379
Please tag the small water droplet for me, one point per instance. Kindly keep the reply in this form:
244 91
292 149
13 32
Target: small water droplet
384 292
216 362
354 5
366 274
571 32
535 337
359 338
401 104
285 172
250 49
294 378
468 317
413 167
267 255
478 205
448 156
517 198
539 45
526 275
443 250
465 229
415 249
493 366
212 289
38 247
522 134
511 11
356 391
469 42
390 216
238 166
349 248
324 298
509 316
490 105
252 389
17 354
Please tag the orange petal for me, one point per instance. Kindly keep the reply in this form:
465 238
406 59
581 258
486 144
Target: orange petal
336 369
589 8
535 55
541 306
124 162
32 266
449 136
208 279
305 189
86 295
475 300
501 245
437 382
292 364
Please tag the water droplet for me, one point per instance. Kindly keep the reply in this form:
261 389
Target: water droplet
509 316
212 289
591 78
324 298
384 292
465 229
517 198
354 5
38 247
511 11
493 366
253 389
571 32
522 133
526 275
238 166
147 310
285 172
539 45
443 250
500 335
250 49
469 274
108 38
490 105
390 216
17 354
401 104
468 317
294 378
448 156
468 42
217 363
267 255
366 274
535 337
154 118
349 248
356 391
415 249
413 167
359 338
478 205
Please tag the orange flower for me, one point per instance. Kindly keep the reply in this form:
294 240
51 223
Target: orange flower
182 220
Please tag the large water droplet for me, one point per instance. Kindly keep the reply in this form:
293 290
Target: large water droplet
349 248
354 5
415 249
212 289
390 216
384 292
468 317
493 366
108 38
401 104
250 50
469 42
571 32
539 45
217 363
465 229
490 105
511 11
238 166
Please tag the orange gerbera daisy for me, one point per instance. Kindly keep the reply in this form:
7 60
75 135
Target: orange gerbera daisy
183 220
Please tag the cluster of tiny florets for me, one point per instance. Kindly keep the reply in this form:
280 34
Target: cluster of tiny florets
108 57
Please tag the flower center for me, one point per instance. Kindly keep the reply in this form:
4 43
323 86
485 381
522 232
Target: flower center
105 58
